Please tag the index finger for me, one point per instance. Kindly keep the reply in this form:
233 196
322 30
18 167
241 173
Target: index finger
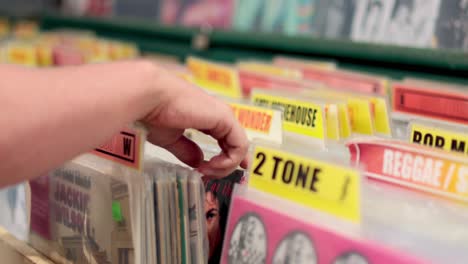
190 107
233 143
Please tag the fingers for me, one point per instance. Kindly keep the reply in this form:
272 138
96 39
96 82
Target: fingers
245 163
186 151
185 106
233 142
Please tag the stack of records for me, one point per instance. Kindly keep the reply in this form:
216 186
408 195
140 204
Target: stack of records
110 206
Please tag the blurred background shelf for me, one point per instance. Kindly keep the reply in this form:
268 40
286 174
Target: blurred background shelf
394 61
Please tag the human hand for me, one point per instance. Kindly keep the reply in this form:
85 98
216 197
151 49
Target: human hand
180 105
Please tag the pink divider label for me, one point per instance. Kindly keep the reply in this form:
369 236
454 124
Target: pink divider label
40 209
123 148
414 167
256 234
250 80
441 104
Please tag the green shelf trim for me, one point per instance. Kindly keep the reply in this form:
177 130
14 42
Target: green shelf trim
117 26
445 59
393 61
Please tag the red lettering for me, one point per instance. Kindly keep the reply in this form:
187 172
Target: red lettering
219 77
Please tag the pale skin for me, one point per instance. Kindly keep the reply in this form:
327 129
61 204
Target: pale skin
49 116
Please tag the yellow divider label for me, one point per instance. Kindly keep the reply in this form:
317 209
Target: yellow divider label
439 138
381 117
345 123
215 77
361 116
22 55
300 117
316 184
360 113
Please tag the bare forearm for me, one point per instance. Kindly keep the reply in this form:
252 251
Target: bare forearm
50 116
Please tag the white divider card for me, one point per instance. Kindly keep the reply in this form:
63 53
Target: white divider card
415 222
301 117
442 135
419 168
322 185
263 229
259 123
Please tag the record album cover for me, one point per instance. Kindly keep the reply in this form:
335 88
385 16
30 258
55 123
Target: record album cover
452 25
260 234
214 13
412 23
285 16
217 201
370 19
335 17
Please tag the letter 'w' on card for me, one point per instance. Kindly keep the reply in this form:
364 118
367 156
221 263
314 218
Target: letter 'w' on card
126 148
321 185
215 77
418 168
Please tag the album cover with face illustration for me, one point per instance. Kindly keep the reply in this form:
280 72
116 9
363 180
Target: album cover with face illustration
217 200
